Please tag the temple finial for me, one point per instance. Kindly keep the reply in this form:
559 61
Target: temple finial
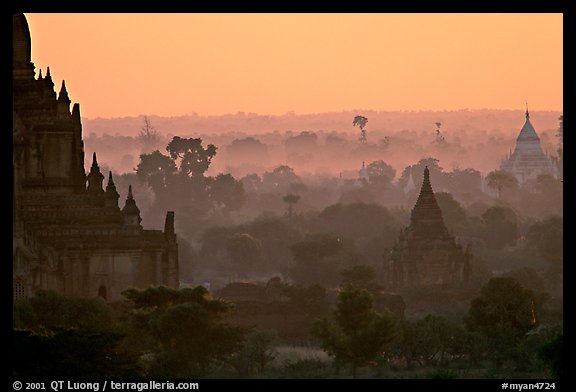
63 95
527 112
110 179
94 160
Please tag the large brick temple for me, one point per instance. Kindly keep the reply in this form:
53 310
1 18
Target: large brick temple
69 233
426 253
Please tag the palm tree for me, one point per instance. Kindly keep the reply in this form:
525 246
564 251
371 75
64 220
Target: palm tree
290 199
361 122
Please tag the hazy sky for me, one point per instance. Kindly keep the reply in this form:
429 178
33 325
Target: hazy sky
175 64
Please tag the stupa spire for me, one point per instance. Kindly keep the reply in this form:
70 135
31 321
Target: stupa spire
426 218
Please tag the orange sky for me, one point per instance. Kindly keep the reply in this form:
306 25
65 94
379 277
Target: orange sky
175 64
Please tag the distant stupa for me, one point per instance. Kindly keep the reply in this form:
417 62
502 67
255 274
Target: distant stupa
528 161
363 173
409 184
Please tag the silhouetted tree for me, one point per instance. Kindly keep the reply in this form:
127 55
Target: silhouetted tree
247 147
48 310
193 158
69 353
430 340
184 329
157 170
226 192
60 336
358 334
148 136
252 182
552 353
361 276
280 178
290 199
311 299
380 172
465 184
276 236
245 252
312 263
500 180
548 237
361 121
503 312
500 227
452 212
437 176
255 353
359 220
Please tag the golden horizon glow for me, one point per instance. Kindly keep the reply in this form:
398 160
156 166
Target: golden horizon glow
175 64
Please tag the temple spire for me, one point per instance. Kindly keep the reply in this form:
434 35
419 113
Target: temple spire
527 112
95 178
63 95
110 180
40 74
131 211
111 192
426 218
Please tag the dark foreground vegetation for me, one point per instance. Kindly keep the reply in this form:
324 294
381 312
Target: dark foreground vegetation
167 333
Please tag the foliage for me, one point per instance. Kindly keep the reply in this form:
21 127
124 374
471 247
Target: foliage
362 276
438 178
311 300
357 334
186 329
245 253
359 220
290 199
193 157
279 178
380 169
442 374
255 353
73 354
547 236
361 122
60 336
314 259
226 192
308 368
156 169
552 354
49 311
528 278
148 136
452 212
501 227
501 180
430 340
503 312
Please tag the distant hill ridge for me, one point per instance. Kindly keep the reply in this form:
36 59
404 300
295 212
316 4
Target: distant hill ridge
387 121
